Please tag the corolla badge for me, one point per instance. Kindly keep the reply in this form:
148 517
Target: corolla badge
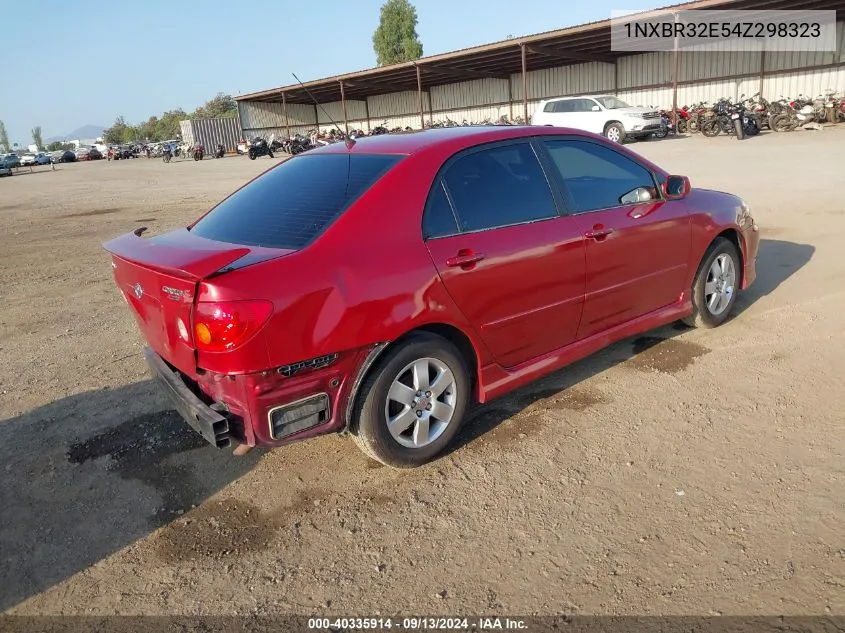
138 289
175 293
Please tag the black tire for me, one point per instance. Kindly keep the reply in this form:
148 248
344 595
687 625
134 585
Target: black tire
711 128
614 132
783 123
740 132
369 423
252 154
702 315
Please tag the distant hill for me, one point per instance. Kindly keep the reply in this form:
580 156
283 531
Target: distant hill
86 131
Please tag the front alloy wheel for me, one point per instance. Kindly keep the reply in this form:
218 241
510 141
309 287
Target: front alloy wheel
715 286
412 402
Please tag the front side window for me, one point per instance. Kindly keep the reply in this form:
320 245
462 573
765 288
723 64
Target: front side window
598 177
499 186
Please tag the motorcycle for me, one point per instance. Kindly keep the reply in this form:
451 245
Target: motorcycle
220 152
199 151
167 153
743 123
719 120
259 147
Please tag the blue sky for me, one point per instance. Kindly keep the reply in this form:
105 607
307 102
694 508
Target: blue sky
91 60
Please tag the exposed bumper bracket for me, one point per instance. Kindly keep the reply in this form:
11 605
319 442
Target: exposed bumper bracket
210 424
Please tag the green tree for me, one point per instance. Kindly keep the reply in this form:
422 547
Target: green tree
114 134
55 146
221 106
396 39
4 138
36 137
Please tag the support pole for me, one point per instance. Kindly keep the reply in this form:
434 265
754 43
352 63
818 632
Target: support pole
510 98
616 76
675 55
524 84
367 114
343 104
285 111
762 67
420 97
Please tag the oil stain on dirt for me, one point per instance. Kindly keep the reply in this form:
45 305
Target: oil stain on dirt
138 450
503 426
668 356
230 527
85 214
145 220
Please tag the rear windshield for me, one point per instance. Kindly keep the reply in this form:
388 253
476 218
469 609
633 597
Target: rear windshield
291 205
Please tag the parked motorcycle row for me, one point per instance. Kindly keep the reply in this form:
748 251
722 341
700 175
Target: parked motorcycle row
299 143
749 115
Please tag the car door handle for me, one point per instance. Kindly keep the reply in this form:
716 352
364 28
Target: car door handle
598 234
464 259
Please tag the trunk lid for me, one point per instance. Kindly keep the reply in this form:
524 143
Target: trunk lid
159 276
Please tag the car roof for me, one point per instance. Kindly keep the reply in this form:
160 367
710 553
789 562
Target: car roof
444 142
596 96
455 138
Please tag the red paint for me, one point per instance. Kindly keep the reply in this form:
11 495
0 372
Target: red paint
530 298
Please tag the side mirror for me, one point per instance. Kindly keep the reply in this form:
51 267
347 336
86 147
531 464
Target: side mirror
637 196
676 187
595 108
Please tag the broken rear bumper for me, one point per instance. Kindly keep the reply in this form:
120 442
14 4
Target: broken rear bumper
210 424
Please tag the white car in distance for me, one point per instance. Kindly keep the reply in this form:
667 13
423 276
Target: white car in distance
601 114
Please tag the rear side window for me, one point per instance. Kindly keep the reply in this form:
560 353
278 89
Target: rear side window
499 186
439 218
294 203
559 106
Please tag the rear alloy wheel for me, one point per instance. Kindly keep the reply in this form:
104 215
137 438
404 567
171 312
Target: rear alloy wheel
412 403
716 284
614 132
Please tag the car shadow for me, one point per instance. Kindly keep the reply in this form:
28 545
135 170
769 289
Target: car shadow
91 473
777 261
655 350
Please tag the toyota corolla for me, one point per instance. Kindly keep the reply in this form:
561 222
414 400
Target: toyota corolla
379 287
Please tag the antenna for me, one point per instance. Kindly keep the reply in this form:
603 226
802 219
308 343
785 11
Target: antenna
319 104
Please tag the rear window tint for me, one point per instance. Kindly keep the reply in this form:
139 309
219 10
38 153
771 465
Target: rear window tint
291 205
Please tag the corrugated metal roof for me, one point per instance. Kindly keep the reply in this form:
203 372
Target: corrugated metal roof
573 45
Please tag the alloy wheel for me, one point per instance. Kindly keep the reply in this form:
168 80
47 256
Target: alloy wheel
720 285
421 402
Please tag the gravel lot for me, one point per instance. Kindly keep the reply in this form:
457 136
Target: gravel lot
685 472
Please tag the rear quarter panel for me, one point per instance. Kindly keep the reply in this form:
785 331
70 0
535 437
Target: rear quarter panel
368 279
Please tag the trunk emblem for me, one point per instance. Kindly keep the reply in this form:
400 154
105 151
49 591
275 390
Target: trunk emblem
138 289
174 293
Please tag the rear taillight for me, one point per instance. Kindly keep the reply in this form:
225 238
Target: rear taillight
220 326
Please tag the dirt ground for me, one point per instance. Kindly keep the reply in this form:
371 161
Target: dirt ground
683 472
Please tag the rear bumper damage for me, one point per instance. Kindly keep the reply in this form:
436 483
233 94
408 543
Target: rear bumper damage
211 424
268 408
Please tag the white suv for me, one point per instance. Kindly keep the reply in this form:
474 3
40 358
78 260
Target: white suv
600 114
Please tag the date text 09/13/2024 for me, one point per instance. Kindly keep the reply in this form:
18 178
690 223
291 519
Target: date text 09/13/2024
417 624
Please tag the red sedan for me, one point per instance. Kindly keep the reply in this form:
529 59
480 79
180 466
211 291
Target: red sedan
380 286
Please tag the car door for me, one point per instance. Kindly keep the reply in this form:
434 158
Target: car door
637 253
510 262
581 116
